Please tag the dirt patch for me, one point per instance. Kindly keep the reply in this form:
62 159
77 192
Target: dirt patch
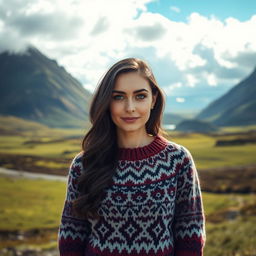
239 179
14 242
29 163
232 213
241 141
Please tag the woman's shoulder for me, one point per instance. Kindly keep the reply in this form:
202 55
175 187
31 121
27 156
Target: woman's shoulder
77 159
76 166
177 148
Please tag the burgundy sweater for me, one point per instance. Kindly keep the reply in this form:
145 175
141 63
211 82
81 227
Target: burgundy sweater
153 207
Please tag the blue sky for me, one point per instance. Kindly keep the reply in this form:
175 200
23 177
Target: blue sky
198 50
179 10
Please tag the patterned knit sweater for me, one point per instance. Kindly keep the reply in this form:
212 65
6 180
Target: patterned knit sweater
153 207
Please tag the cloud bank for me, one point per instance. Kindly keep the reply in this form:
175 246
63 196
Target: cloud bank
86 37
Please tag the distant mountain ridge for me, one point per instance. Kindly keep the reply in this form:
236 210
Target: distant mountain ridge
36 88
196 126
170 118
236 107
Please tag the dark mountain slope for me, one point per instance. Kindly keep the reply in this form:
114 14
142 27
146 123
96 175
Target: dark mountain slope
236 107
35 87
196 126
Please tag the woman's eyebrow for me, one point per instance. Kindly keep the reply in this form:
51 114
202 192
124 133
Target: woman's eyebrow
121 92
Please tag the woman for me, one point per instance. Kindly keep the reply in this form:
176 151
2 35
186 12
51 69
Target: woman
131 191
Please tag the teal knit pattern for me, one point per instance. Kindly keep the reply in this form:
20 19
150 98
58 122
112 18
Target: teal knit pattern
153 207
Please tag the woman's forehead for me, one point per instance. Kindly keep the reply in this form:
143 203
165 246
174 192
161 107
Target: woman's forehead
131 82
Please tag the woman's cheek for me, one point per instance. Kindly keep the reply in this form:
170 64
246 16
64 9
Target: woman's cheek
146 108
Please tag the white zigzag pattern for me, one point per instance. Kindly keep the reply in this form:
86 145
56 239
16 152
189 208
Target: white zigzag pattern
184 230
65 234
67 229
147 172
138 246
72 190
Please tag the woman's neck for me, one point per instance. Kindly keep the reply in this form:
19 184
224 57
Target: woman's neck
133 139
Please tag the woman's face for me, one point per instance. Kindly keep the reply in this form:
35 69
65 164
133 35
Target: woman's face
131 103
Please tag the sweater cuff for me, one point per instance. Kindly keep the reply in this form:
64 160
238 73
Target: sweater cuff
189 246
70 247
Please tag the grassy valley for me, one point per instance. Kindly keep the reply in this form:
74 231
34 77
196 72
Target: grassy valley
230 217
230 213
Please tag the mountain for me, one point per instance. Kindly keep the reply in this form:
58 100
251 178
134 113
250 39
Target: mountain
169 118
196 126
36 88
236 107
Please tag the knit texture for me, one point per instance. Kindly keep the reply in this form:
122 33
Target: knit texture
153 207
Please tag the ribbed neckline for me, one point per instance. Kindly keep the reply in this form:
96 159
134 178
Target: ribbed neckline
133 154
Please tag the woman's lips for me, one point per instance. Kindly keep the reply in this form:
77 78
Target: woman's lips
129 119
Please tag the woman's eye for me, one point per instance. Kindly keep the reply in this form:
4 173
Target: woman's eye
118 97
141 96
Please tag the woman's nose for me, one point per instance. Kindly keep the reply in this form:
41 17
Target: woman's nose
130 106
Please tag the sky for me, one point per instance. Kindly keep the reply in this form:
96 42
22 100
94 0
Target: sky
197 49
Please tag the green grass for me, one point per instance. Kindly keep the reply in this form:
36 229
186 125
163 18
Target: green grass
202 147
238 128
207 155
27 204
37 204
33 129
231 238
224 156
31 204
24 202
216 202
50 164
15 145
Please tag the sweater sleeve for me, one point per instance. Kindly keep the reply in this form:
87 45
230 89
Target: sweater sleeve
189 219
73 232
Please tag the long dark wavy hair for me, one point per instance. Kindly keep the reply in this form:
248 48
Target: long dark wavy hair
100 148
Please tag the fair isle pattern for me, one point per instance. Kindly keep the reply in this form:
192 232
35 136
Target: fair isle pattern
73 232
153 207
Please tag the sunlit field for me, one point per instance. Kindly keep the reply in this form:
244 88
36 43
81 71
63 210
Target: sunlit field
207 155
31 209
37 204
64 144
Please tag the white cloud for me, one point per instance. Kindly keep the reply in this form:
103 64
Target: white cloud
175 9
86 37
211 79
169 89
41 6
180 100
192 80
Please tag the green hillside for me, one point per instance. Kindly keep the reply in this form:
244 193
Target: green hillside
236 107
196 126
36 88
